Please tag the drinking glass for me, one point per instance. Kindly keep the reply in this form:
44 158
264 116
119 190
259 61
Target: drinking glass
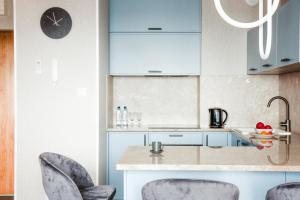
131 118
139 118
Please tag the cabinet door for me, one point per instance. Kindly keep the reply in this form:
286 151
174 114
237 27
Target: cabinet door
292 177
288 33
271 62
217 139
117 145
155 15
238 141
253 57
155 54
177 138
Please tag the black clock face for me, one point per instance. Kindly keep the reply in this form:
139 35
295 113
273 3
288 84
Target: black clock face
56 23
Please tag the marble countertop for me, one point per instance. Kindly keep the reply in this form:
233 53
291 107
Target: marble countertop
277 155
167 129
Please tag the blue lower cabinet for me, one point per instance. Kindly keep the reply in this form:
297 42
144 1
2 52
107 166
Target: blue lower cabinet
252 185
118 142
177 138
216 139
237 141
292 177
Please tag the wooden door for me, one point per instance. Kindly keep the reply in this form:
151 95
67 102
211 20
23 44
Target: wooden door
6 113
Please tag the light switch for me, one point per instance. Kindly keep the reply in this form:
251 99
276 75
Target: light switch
2 7
82 92
38 67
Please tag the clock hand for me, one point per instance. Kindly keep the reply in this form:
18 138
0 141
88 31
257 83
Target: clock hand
50 18
53 16
59 20
55 23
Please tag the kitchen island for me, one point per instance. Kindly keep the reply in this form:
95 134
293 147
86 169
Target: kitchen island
253 169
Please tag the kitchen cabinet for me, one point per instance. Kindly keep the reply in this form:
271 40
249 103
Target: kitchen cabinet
155 15
117 145
285 52
292 177
255 63
155 54
237 141
177 138
288 33
253 57
271 62
216 139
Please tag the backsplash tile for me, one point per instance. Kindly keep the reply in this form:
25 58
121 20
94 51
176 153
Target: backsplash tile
289 87
162 100
185 100
244 97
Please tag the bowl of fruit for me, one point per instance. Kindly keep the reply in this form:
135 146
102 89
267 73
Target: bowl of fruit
264 131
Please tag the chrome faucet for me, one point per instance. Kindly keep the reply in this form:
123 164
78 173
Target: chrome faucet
287 122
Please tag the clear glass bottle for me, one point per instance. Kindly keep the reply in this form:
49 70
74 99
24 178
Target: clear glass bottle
125 117
119 117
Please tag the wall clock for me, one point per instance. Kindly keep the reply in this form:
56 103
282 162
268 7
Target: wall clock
56 23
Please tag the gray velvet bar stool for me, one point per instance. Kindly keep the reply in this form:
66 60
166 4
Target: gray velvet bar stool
65 179
288 191
188 189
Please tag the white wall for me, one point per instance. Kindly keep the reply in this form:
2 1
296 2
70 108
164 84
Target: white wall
224 47
6 20
54 118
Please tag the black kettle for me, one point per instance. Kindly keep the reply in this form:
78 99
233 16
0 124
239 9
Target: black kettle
216 117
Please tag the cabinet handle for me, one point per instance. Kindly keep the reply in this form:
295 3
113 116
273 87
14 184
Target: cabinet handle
253 69
154 29
206 140
155 71
175 135
267 65
285 60
244 144
145 144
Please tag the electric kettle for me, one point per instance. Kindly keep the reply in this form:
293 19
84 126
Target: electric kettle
216 117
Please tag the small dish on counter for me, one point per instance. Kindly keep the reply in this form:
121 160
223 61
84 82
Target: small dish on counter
264 131
156 152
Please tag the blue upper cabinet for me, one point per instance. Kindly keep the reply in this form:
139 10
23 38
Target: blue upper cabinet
155 15
255 63
271 62
253 58
285 43
288 33
155 54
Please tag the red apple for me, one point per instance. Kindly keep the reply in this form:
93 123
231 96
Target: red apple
268 127
260 125
259 147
